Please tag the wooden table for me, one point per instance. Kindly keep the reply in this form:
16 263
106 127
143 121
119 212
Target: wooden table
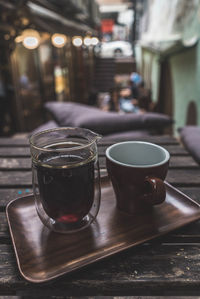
169 265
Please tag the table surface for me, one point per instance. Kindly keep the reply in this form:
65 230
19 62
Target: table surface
169 265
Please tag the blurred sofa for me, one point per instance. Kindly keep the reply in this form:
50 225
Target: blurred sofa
110 125
190 138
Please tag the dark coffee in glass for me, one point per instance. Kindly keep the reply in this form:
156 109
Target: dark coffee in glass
66 180
66 185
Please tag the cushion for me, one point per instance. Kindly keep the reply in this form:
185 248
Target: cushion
190 137
46 126
102 122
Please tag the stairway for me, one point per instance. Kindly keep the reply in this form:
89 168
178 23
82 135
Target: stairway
104 74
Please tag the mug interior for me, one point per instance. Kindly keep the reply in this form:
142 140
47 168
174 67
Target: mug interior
139 154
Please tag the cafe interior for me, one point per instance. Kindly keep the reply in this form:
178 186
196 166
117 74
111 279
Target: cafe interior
99 149
46 55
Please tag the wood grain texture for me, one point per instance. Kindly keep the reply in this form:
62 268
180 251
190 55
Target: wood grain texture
25 151
176 177
7 163
15 163
164 139
14 152
184 235
15 178
6 195
43 255
6 142
168 265
184 177
127 273
183 162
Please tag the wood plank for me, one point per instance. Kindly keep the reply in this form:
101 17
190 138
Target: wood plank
176 150
162 139
184 177
9 163
6 195
176 177
192 192
183 162
176 268
15 163
16 179
4 232
9 141
173 260
14 152
25 151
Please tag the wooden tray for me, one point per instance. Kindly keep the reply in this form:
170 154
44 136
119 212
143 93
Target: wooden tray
43 255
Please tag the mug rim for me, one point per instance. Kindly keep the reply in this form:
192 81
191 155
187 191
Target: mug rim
167 155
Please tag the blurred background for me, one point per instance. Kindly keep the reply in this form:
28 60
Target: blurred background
84 50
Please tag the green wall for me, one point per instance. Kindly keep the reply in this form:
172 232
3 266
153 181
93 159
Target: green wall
149 67
185 72
155 77
182 54
185 85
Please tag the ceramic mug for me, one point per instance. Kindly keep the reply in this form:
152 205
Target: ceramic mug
137 171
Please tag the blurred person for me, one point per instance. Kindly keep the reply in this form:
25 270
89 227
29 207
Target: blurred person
140 93
24 81
104 102
136 78
93 96
144 97
110 101
127 103
114 100
135 81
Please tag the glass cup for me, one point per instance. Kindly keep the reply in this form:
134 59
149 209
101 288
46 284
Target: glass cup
66 179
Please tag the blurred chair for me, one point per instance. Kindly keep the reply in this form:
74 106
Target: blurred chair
105 123
190 137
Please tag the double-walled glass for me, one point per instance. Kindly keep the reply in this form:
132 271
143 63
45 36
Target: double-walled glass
66 180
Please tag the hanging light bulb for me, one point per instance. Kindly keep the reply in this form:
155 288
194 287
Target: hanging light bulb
87 41
31 42
31 39
77 41
19 39
94 41
59 40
